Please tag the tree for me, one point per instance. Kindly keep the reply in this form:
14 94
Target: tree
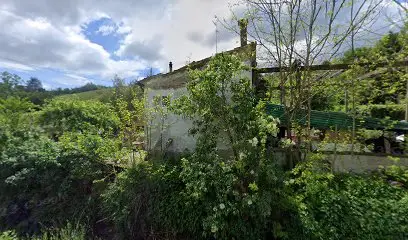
292 33
61 115
128 103
222 103
34 85
380 85
401 5
9 83
294 30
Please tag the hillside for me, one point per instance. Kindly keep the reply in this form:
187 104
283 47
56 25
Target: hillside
102 95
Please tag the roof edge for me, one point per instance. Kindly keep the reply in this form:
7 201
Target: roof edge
197 64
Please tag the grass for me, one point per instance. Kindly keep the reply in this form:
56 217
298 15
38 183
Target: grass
102 95
69 232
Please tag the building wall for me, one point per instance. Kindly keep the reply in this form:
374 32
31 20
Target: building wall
359 163
169 126
173 127
160 130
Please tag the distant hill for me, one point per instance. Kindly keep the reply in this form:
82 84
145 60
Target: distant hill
102 95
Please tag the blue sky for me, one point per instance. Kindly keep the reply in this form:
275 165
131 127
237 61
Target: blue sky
103 32
70 43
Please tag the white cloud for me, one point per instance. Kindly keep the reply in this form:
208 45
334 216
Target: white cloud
178 20
105 30
149 50
80 80
122 29
47 86
15 66
47 34
71 80
32 44
157 29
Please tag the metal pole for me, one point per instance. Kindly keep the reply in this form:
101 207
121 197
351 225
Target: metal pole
406 103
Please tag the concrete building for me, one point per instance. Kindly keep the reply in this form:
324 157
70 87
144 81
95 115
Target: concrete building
167 132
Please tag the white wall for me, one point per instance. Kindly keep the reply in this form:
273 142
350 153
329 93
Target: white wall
175 127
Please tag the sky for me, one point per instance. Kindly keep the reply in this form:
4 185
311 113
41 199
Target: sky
70 43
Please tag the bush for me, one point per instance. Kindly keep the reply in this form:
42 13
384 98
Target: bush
345 206
45 183
60 116
198 198
144 202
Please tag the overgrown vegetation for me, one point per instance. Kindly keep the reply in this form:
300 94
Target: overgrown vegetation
345 206
67 169
51 160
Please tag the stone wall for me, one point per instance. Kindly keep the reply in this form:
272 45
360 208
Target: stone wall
359 163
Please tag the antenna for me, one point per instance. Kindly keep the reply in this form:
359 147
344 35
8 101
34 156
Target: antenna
216 33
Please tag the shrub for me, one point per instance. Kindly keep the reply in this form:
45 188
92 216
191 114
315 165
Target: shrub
144 203
197 198
60 116
345 206
46 183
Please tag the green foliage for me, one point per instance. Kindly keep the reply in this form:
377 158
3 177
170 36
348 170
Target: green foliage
223 105
372 90
392 111
234 203
335 206
143 202
207 195
11 85
383 85
129 105
103 95
13 113
68 232
60 116
8 235
397 174
197 198
323 101
45 182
